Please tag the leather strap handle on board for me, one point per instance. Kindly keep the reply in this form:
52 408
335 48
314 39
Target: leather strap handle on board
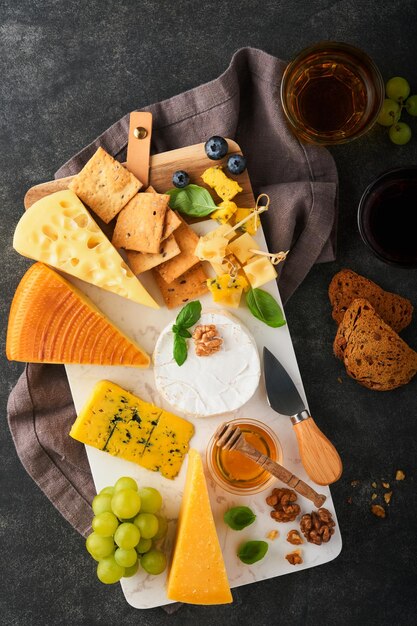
139 145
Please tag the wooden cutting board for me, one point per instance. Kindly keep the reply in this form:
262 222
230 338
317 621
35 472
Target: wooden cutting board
192 159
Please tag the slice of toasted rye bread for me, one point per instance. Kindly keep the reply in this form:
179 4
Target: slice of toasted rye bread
373 354
346 285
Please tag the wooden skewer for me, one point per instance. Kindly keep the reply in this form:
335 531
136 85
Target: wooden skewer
230 437
257 211
274 258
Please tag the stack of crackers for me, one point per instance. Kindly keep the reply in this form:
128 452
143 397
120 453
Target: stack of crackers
154 236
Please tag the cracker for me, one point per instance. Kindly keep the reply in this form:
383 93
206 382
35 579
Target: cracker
187 240
105 185
189 286
172 221
140 224
141 261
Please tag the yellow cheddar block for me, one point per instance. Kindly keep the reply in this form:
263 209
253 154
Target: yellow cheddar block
242 247
259 271
58 230
225 211
227 290
118 422
197 574
225 187
251 226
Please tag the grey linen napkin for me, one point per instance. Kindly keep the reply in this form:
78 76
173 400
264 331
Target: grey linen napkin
301 180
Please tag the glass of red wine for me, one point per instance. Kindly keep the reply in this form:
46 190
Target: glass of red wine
387 217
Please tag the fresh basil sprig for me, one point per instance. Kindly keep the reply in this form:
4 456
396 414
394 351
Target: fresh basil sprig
238 517
187 317
264 307
180 349
252 551
191 200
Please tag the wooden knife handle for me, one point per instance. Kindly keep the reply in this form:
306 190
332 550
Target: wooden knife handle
318 455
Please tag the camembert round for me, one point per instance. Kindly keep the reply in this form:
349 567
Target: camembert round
209 385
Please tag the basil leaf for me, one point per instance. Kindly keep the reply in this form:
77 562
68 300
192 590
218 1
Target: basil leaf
189 314
180 349
239 517
252 551
265 308
192 200
182 332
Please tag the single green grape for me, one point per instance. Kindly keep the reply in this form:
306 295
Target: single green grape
154 562
101 503
390 113
126 558
127 536
397 89
107 490
411 105
125 503
131 571
109 571
400 133
125 482
162 527
144 545
148 525
99 547
105 524
151 500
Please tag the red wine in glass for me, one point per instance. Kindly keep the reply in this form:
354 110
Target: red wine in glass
387 217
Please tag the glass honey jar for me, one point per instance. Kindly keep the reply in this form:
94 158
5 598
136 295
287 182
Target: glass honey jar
235 472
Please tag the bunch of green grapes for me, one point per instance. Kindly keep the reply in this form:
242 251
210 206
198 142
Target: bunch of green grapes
126 525
397 91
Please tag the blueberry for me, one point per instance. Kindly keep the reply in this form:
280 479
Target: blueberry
216 148
236 164
180 179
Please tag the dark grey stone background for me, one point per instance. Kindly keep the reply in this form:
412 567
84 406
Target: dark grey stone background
67 71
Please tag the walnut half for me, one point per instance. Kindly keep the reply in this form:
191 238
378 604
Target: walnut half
283 502
294 537
294 558
317 526
206 340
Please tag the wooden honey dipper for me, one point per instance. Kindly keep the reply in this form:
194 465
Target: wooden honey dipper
230 437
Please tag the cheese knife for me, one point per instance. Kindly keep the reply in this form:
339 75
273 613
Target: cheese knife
318 455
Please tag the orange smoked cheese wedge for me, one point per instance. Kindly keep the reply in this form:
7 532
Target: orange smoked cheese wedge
197 574
51 321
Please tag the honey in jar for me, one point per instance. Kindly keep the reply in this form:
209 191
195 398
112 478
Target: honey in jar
234 470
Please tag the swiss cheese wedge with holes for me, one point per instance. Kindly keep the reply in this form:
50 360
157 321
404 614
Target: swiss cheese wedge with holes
51 321
58 230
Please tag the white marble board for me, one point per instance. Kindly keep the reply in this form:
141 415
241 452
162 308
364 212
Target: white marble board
143 591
